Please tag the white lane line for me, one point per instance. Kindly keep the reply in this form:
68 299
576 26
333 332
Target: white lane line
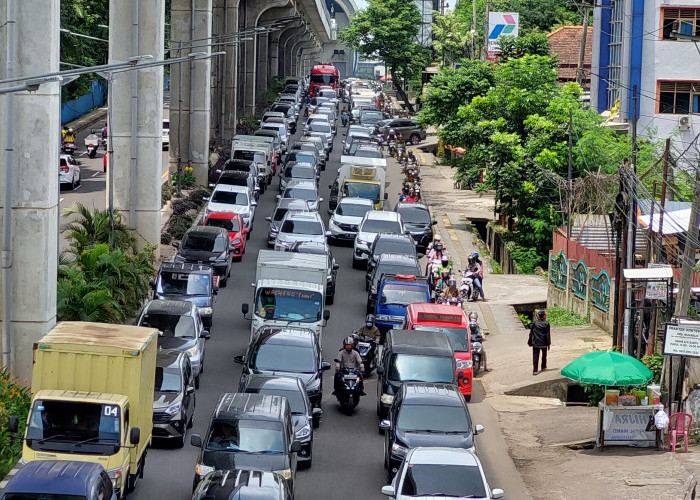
95 174
77 187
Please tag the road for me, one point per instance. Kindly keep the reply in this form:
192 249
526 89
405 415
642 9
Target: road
347 450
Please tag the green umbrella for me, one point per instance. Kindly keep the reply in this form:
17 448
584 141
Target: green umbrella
607 368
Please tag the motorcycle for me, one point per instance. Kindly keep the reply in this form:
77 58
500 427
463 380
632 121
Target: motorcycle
477 352
367 348
400 152
68 148
467 287
392 148
92 142
349 388
344 119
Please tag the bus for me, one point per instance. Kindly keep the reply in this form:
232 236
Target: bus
323 75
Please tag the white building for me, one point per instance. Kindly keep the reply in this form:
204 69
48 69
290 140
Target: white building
633 47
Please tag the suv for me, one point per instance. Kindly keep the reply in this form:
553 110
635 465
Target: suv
248 431
427 357
238 178
283 206
426 414
179 328
389 263
239 199
58 479
207 244
237 232
173 399
297 171
241 485
411 130
389 243
288 351
190 282
247 166
300 227
373 223
346 218
416 219
395 292
303 190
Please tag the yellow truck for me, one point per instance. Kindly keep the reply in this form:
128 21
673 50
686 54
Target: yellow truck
362 182
92 398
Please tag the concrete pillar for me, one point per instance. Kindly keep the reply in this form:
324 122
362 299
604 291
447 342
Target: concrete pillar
250 54
273 62
137 28
284 47
262 64
35 122
231 73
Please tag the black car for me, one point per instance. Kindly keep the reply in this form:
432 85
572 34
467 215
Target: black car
332 271
239 178
174 399
390 263
304 417
248 431
426 414
416 219
207 244
190 282
232 484
292 352
388 243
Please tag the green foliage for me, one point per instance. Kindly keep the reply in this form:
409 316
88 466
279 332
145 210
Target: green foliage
526 320
654 363
526 259
14 400
534 43
88 228
178 225
197 196
274 87
561 317
450 39
166 238
187 181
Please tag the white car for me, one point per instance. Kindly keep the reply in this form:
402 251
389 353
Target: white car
346 218
302 190
298 228
373 223
68 171
166 133
441 473
321 126
238 199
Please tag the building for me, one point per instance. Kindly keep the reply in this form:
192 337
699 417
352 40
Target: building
426 9
633 46
565 43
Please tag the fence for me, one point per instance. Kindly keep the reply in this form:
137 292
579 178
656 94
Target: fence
499 251
78 107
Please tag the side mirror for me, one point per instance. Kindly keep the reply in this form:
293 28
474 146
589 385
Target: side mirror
497 493
382 299
330 186
205 334
336 267
295 447
268 219
320 200
189 389
326 365
239 359
380 370
478 428
253 203
216 290
328 233
326 314
245 308
388 490
386 196
256 189
385 424
134 435
152 284
205 198
316 412
196 440
212 185
279 197
13 425
434 222
336 360
176 244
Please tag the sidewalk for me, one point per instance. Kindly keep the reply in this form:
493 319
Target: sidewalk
544 436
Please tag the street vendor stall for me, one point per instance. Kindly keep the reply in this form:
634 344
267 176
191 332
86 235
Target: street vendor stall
628 426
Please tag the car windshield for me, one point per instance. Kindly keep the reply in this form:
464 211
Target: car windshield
352 209
393 245
203 242
288 305
393 268
371 116
317 78
248 155
300 173
168 380
248 436
415 215
230 198
319 127
403 295
422 368
231 225
297 403
285 358
302 227
367 153
300 194
433 418
300 157
381 226
457 336
183 283
42 496
361 190
279 214
170 325
426 480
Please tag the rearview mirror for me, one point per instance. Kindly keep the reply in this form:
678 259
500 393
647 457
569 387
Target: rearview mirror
268 219
212 185
386 196
325 366
239 359
497 493
245 308
134 435
196 440
434 222
388 490
380 370
316 412
152 283
382 299
326 314
13 425
296 447
478 428
189 389
336 360
205 334
176 244
385 424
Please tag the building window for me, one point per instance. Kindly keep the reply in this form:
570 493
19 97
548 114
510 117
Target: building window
679 98
686 21
615 47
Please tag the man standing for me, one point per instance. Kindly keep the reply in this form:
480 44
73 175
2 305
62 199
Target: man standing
540 341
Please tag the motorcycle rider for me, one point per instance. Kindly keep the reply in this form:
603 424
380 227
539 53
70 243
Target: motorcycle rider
391 136
344 116
104 132
411 198
475 269
411 158
441 285
64 131
451 291
70 136
476 336
369 329
349 358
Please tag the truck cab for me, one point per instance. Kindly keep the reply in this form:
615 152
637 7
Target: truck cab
194 283
395 293
362 182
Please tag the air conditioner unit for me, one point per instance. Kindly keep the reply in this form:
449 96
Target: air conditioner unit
684 123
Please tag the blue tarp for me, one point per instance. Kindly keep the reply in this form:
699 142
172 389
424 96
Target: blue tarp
78 107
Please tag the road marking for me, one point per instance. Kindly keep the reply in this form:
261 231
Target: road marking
61 200
165 174
95 174
77 187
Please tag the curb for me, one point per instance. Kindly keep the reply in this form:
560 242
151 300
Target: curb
88 119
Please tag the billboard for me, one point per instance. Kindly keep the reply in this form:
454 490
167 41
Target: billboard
501 24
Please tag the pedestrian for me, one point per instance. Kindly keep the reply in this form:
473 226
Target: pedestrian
540 340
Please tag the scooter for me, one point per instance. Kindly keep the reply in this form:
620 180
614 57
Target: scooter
367 348
68 148
344 119
467 287
92 142
348 388
400 152
392 148
477 352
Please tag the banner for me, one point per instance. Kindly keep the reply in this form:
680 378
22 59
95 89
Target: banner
657 290
501 24
683 339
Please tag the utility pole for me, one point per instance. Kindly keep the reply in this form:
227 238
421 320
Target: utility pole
580 76
688 262
485 48
659 247
620 248
570 176
474 29
628 346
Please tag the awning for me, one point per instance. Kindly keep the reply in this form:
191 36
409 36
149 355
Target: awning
646 273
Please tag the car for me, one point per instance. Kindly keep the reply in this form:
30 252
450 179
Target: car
237 232
352 135
239 178
417 219
373 223
426 414
276 140
327 143
323 127
309 148
68 171
389 263
194 283
390 243
287 109
233 484
281 128
165 138
300 227
284 205
411 130
302 190
290 352
442 473
365 151
304 416
317 140
174 398
240 165
369 117
332 268
239 199
346 218
297 170
395 292
321 117
180 329
251 431
208 244
303 156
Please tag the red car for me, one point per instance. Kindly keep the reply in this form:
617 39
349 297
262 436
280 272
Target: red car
237 232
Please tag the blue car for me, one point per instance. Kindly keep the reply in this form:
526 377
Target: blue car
395 292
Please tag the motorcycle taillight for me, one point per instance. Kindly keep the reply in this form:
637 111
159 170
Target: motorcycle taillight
64 169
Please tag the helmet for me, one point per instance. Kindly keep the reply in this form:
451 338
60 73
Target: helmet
437 238
452 282
349 341
471 259
391 131
476 255
445 261
438 246
473 326
70 130
369 320
454 301
445 273
473 316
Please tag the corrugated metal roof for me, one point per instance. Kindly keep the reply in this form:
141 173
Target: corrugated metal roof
648 273
602 238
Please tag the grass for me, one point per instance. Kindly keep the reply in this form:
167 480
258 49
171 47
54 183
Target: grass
561 317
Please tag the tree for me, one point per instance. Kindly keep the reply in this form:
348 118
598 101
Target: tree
533 43
450 37
93 228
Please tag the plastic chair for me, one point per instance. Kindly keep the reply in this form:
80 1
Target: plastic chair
679 426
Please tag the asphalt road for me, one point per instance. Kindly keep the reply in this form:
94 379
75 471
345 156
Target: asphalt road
347 450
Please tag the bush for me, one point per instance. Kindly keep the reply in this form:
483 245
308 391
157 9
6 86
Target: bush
196 197
187 181
166 238
166 194
182 206
561 317
178 226
526 259
14 400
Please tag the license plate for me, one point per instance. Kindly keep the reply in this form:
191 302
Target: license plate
363 344
350 377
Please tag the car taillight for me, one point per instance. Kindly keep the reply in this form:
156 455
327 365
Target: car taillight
64 168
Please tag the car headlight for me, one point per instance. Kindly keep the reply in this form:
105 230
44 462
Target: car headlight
333 223
386 399
173 409
304 432
203 470
206 310
398 450
237 241
193 351
463 364
362 242
116 476
285 473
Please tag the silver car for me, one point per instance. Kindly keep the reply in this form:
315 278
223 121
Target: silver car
283 206
373 223
346 218
68 171
300 227
303 190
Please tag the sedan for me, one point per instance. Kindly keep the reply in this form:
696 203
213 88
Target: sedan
441 473
300 227
297 171
68 171
237 232
346 218
303 190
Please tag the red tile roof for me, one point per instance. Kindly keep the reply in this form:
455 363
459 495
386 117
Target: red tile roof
565 42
